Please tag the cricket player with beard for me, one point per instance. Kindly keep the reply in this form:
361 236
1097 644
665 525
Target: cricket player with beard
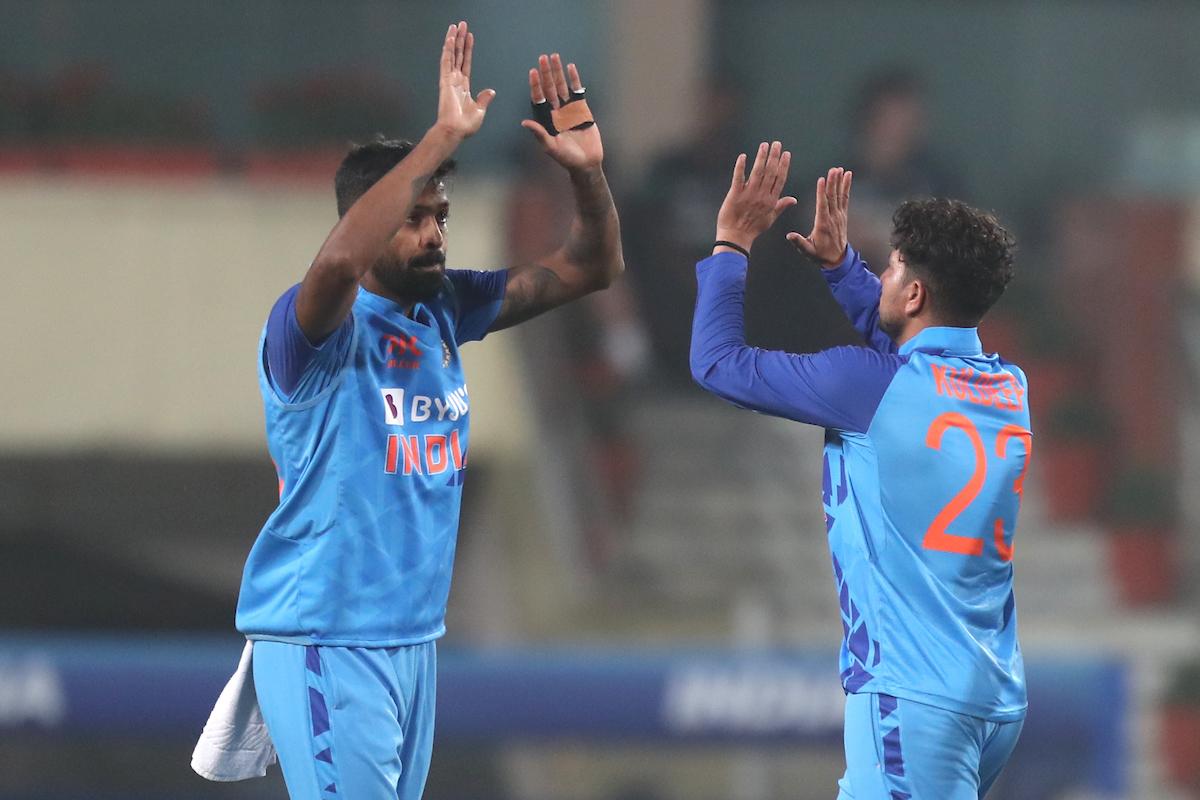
344 592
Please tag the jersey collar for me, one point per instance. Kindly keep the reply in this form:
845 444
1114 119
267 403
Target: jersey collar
420 311
947 341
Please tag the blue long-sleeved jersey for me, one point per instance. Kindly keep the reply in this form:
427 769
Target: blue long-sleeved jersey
926 450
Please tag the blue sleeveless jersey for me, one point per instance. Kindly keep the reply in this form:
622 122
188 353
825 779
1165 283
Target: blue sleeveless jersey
926 450
371 462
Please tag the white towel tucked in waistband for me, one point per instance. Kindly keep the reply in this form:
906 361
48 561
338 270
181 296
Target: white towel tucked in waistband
235 744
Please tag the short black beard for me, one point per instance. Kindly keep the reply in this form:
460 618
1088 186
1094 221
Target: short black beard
408 283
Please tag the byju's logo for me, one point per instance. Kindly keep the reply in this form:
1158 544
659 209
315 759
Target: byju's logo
393 406
423 408
401 352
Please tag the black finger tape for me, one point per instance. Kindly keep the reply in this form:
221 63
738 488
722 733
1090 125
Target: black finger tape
542 116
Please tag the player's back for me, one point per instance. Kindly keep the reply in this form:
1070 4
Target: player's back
922 508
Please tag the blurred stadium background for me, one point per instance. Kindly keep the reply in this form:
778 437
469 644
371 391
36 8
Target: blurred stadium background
643 607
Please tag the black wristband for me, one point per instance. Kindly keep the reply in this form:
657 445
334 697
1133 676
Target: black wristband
738 247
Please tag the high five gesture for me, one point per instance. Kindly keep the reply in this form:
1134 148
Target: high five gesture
753 203
827 242
380 317
576 147
591 257
459 113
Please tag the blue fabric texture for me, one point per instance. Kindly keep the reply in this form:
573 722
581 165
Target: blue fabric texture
477 296
897 749
291 358
349 722
926 449
297 368
857 291
839 388
371 459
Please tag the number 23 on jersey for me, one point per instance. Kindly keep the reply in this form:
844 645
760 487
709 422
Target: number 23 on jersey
938 535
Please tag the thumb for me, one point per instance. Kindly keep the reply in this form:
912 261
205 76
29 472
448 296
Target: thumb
485 98
783 204
803 244
538 131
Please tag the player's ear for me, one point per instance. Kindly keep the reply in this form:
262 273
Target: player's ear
916 298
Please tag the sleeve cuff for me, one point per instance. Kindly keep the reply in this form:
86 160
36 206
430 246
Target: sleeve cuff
721 260
834 276
297 334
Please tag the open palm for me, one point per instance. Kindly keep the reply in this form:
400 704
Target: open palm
459 112
573 149
828 240
754 203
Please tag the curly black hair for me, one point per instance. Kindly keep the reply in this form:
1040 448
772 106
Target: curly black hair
366 163
964 255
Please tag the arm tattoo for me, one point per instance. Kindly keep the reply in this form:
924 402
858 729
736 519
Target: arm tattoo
587 261
532 290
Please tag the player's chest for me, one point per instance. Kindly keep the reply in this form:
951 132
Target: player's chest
410 375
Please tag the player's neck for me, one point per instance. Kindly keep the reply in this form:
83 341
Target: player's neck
913 326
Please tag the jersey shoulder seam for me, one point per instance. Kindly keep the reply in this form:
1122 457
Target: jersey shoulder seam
322 395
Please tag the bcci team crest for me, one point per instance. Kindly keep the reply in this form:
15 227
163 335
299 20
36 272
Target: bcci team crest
445 354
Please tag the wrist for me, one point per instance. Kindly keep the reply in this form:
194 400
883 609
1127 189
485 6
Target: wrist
444 137
586 174
837 262
740 238
725 246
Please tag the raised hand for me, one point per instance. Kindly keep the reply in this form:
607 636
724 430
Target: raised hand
753 203
459 113
828 240
574 149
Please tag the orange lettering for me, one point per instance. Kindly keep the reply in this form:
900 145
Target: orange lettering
1001 390
960 387
456 453
412 454
1006 391
939 378
393 453
1018 391
988 390
967 383
937 537
1006 433
436 460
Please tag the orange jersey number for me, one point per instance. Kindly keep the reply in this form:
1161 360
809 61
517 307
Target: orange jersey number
938 536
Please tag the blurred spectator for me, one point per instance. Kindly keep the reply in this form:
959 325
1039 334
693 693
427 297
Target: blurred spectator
607 336
599 344
669 226
891 158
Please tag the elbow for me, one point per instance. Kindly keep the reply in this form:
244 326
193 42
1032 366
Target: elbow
702 372
337 266
603 266
595 275
601 260
616 265
720 370
612 270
